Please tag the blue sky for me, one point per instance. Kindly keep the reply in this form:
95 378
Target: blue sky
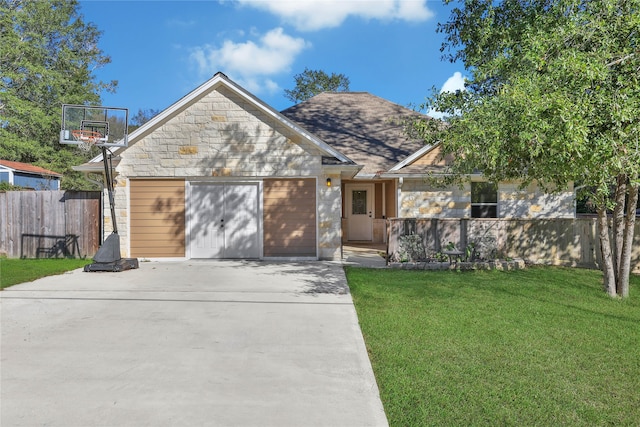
161 50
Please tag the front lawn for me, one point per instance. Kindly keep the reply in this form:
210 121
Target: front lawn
543 346
13 271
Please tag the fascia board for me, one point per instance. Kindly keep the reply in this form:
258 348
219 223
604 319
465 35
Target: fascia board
413 157
345 171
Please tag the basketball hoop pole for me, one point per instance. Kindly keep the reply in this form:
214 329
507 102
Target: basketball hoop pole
109 179
108 256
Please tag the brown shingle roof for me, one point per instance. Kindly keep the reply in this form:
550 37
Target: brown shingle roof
26 167
367 129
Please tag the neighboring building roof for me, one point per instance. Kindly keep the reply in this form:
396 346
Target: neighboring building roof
28 168
367 129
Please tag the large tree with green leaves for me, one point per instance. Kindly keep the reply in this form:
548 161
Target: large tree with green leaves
47 57
312 82
553 96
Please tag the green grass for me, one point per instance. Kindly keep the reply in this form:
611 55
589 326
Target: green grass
543 346
14 271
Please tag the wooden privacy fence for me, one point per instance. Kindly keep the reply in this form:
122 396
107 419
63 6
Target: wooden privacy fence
569 242
49 224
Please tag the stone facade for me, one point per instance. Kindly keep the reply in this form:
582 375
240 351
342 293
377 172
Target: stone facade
329 218
420 199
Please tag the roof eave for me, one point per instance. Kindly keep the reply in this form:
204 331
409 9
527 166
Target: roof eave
95 167
346 171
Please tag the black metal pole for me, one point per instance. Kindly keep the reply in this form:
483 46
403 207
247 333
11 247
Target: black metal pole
109 181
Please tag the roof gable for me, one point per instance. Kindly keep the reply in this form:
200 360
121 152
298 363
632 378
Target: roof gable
221 82
428 159
368 129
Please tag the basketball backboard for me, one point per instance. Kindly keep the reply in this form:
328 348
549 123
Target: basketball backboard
102 126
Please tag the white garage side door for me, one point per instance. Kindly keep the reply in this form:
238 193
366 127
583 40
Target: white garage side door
224 221
206 227
241 221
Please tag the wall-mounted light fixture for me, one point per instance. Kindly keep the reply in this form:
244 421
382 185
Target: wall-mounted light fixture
328 182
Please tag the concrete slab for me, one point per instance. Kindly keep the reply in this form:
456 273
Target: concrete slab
364 255
187 343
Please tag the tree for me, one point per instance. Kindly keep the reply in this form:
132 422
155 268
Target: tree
142 117
312 82
47 57
553 97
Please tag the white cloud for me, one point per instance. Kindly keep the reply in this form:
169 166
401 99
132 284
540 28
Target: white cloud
311 15
250 62
453 84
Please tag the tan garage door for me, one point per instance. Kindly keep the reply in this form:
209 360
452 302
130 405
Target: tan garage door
289 217
157 218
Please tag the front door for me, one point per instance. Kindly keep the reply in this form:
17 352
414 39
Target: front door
360 211
224 221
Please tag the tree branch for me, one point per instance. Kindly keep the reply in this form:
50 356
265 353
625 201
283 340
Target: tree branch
618 61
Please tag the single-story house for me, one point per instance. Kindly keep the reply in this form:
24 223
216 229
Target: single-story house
221 174
29 176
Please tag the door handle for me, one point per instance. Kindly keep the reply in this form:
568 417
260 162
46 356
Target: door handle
369 214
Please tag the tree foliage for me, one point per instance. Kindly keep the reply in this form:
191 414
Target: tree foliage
312 82
554 97
142 117
47 58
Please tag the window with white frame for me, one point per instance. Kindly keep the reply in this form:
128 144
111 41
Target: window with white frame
484 200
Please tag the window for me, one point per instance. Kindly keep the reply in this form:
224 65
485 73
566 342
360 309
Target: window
359 202
484 200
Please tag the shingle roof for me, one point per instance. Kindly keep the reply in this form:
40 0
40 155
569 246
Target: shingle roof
367 129
28 168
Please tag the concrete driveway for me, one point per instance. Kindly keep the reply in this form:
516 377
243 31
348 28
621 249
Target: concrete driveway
194 343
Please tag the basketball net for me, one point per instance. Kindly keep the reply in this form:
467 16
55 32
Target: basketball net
86 138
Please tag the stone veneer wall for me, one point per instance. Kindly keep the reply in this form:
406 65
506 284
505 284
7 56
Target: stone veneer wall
222 136
420 199
329 218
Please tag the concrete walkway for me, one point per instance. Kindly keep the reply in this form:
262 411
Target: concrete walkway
370 255
194 343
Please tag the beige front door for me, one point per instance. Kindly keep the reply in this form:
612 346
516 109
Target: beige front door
360 211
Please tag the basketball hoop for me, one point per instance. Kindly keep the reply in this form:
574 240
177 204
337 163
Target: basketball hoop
86 138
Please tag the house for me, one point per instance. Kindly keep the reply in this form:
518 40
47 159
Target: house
371 132
220 174
29 176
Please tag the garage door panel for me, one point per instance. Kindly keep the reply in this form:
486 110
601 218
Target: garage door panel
157 218
159 204
158 252
290 217
166 225
155 238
